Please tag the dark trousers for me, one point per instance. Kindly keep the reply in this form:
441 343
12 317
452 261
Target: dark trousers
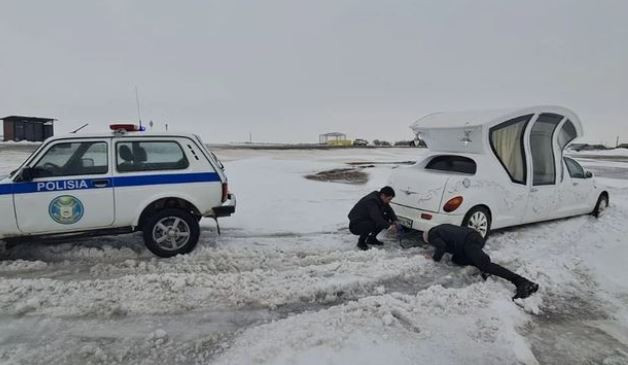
474 255
364 229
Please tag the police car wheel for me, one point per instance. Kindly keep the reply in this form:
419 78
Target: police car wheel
170 232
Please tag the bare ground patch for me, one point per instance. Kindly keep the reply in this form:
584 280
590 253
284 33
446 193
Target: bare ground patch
345 176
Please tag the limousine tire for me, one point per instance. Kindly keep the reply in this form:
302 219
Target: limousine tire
170 232
478 218
601 205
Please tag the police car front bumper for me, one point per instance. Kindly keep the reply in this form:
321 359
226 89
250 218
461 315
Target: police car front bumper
227 208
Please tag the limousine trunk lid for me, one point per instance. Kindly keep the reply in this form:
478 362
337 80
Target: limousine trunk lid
419 188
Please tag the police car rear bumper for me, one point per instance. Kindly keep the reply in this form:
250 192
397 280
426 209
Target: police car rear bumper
227 208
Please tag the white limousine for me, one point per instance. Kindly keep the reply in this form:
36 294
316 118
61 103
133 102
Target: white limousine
495 169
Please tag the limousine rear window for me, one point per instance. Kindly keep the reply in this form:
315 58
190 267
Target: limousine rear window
451 163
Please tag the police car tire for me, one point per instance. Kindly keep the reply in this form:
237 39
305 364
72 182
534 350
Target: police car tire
153 246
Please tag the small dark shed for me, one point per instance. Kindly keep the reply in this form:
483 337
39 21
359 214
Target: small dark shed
18 128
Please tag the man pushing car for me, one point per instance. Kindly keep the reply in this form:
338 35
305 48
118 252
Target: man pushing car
371 215
465 245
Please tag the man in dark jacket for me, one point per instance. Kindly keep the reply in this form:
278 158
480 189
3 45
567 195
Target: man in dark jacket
465 244
371 215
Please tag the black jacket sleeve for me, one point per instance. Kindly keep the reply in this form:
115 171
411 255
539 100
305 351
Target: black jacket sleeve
376 215
391 213
440 247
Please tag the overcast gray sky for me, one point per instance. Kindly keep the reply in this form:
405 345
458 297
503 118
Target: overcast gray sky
289 70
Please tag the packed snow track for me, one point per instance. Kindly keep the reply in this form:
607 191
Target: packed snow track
284 284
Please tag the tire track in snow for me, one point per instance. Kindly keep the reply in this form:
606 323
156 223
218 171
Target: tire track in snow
228 277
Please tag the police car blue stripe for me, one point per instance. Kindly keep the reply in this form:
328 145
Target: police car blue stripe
43 186
6 189
118 182
122 181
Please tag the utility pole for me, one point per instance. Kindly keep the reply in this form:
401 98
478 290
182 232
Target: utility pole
166 127
617 144
137 101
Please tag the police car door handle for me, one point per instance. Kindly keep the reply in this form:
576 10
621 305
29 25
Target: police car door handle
101 183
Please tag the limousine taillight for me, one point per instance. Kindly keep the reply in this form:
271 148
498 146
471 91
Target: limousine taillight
453 204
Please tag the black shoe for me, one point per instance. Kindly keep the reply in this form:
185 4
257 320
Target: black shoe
525 289
363 246
372 240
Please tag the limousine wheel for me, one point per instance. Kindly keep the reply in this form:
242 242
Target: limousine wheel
479 219
170 232
601 206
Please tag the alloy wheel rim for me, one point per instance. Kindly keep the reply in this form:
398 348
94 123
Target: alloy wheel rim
479 222
171 233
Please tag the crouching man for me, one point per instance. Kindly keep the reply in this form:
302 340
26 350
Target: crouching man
465 245
371 215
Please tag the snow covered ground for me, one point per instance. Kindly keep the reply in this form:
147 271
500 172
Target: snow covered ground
284 284
615 152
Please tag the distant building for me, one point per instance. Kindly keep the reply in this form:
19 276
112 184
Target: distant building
18 128
334 139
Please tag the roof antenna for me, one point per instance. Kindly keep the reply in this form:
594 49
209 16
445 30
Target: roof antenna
137 101
79 128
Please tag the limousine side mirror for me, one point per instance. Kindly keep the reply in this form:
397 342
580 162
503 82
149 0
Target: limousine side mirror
588 175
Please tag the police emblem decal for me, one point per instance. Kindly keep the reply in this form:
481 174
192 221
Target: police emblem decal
66 209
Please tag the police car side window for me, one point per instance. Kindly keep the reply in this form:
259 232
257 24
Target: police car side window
73 159
150 156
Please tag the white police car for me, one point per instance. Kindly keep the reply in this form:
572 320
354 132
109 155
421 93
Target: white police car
161 184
